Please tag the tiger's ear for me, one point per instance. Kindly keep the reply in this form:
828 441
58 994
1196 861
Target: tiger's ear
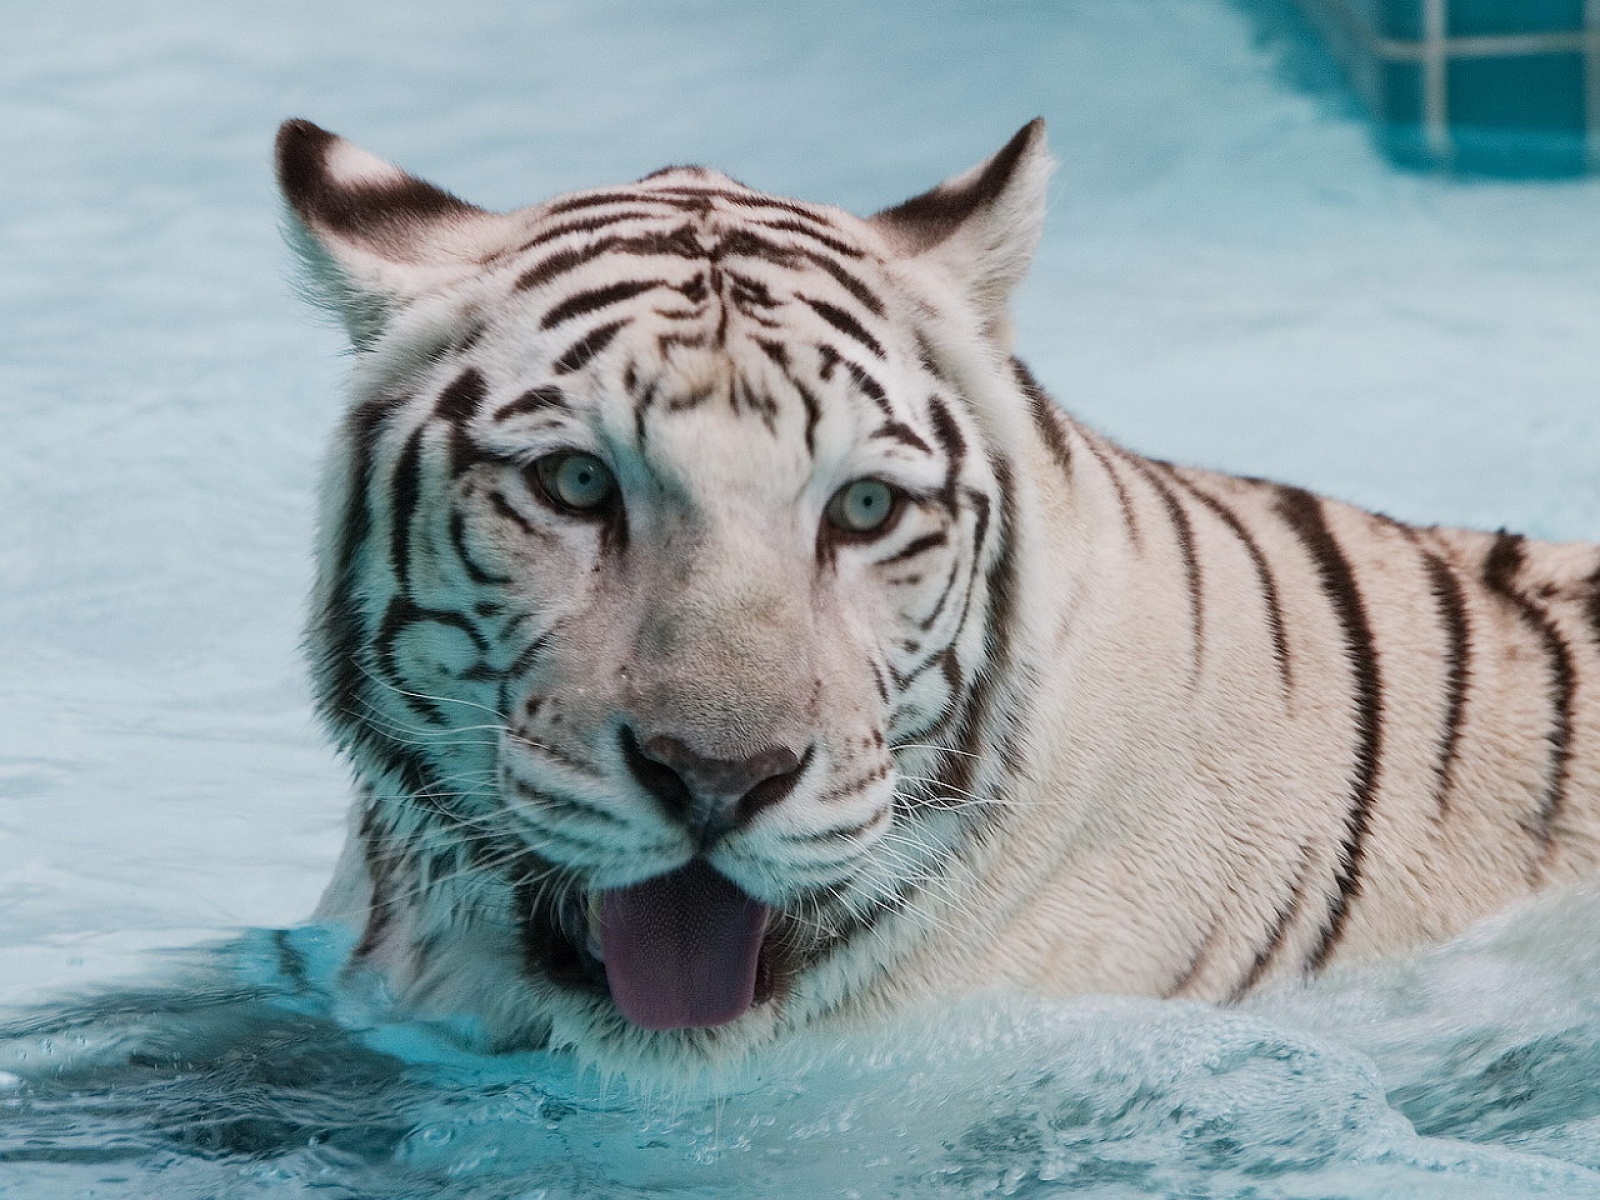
371 237
981 226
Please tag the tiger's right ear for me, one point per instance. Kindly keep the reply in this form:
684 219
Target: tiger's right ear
371 237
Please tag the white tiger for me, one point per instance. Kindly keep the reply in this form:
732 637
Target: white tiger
730 638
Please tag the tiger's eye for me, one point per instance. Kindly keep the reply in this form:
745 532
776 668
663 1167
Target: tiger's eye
864 506
575 480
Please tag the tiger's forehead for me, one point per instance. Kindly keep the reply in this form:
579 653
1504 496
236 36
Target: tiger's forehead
666 307
728 250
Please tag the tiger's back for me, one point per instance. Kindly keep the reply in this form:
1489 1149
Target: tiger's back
731 637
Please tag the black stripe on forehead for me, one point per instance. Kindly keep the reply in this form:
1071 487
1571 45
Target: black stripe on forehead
679 242
580 352
586 302
845 324
869 387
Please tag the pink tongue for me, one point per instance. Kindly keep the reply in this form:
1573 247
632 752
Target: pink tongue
681 949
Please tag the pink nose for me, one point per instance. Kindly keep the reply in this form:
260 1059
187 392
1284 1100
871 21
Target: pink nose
710 795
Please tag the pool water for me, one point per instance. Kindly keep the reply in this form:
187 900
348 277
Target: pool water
1231 277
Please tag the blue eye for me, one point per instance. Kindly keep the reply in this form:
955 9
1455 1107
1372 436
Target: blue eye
576 481
864 506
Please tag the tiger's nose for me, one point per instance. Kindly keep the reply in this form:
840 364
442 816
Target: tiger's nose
710 796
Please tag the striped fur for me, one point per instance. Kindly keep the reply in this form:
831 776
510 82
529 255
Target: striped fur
1075 720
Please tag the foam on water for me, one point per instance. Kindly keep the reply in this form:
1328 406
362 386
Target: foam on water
238 1079
1230 277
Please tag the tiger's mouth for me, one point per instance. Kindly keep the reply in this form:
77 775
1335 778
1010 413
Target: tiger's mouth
685 950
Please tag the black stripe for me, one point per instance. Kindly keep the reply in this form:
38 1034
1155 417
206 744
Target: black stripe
1197 963
342 644
1447 594
503 507
676 243
950 439
1277 932
845 324
1500 571
868 386
958 772
1303 513
458 406
1269 587
832 243
865 296
405 488
1128 517
1594 601
1183 530
1046 416
586 302
599 199
459 403
586 347
458 539
558 264
533 400
380 905
401 615
898 431
915 547
583 225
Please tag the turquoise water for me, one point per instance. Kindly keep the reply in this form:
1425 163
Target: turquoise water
1231 277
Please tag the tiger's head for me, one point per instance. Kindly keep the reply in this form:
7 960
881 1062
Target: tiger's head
665 584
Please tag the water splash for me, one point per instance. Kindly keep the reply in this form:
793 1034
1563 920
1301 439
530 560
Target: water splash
1464 1072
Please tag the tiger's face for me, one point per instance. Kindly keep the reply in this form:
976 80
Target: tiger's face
658 568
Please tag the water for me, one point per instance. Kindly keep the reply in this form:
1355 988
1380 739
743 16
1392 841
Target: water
1231 277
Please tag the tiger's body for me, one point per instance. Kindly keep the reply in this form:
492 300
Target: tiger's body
731 638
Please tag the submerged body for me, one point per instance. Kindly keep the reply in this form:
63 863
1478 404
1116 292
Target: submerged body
730 637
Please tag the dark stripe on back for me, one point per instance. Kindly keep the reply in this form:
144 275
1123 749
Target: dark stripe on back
1183 530
1276 934
1046 416
1447 594
1303 513
1129 519
1500 572
1264 578
1594 602
586 347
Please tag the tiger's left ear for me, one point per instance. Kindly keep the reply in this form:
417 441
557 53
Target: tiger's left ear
372 238
981 227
